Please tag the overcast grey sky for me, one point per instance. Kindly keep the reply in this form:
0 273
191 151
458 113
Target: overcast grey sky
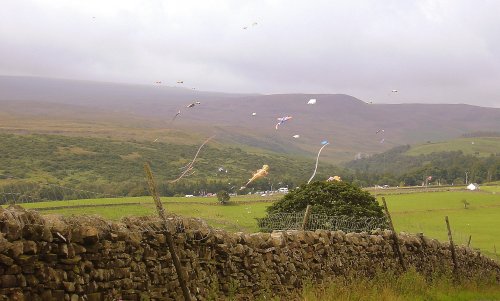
442 51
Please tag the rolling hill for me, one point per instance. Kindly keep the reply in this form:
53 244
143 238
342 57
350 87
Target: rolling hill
446 161
477 146
116 167
145 112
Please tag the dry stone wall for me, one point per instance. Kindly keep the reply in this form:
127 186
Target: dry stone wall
88 258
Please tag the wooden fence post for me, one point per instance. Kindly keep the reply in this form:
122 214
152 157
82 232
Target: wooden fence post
468 242
452 247
394 236
306 217
168 235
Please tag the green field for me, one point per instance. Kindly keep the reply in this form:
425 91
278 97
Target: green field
411 211
425 212
238 216
481 146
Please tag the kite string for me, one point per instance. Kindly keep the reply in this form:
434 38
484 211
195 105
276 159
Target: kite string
190 165
317 160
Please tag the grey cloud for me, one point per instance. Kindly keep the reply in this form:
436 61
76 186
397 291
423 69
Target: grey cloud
431 51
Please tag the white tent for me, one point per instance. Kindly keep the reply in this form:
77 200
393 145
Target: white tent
473 186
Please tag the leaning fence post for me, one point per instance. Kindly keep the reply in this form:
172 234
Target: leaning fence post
452 247
306 217
394 236
468 242
168 235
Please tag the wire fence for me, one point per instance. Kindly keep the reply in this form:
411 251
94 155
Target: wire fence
295 221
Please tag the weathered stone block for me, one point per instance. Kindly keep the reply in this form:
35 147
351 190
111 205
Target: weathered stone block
30 247
6 260
8 281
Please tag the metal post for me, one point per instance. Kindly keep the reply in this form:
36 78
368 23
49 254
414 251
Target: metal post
394 236
306 217
170 241
452 247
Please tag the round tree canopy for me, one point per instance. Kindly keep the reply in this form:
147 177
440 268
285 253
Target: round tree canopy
331 198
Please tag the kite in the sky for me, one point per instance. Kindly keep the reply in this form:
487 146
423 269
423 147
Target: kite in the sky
188 106
296 136
156 139
158 82
282 120
180 81
193 104
258 174
382 141
334 178
324 143
189 167
177 114
253 24
311 101
381 130
394 91
254 114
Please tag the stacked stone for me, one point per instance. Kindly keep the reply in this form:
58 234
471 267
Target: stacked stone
84 258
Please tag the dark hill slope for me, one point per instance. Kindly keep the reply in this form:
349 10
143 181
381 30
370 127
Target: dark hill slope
348 123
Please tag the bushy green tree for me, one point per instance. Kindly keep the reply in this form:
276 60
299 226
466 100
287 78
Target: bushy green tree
223 197
332 198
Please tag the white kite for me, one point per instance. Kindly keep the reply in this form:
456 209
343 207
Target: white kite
311 101
296 136
254 114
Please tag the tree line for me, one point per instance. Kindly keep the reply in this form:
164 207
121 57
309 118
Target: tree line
395 168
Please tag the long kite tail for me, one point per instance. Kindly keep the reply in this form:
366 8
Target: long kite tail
317 160
190 165
254 177
249 181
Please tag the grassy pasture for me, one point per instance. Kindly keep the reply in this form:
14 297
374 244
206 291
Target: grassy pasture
238 216
411 211
425 212
483 146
